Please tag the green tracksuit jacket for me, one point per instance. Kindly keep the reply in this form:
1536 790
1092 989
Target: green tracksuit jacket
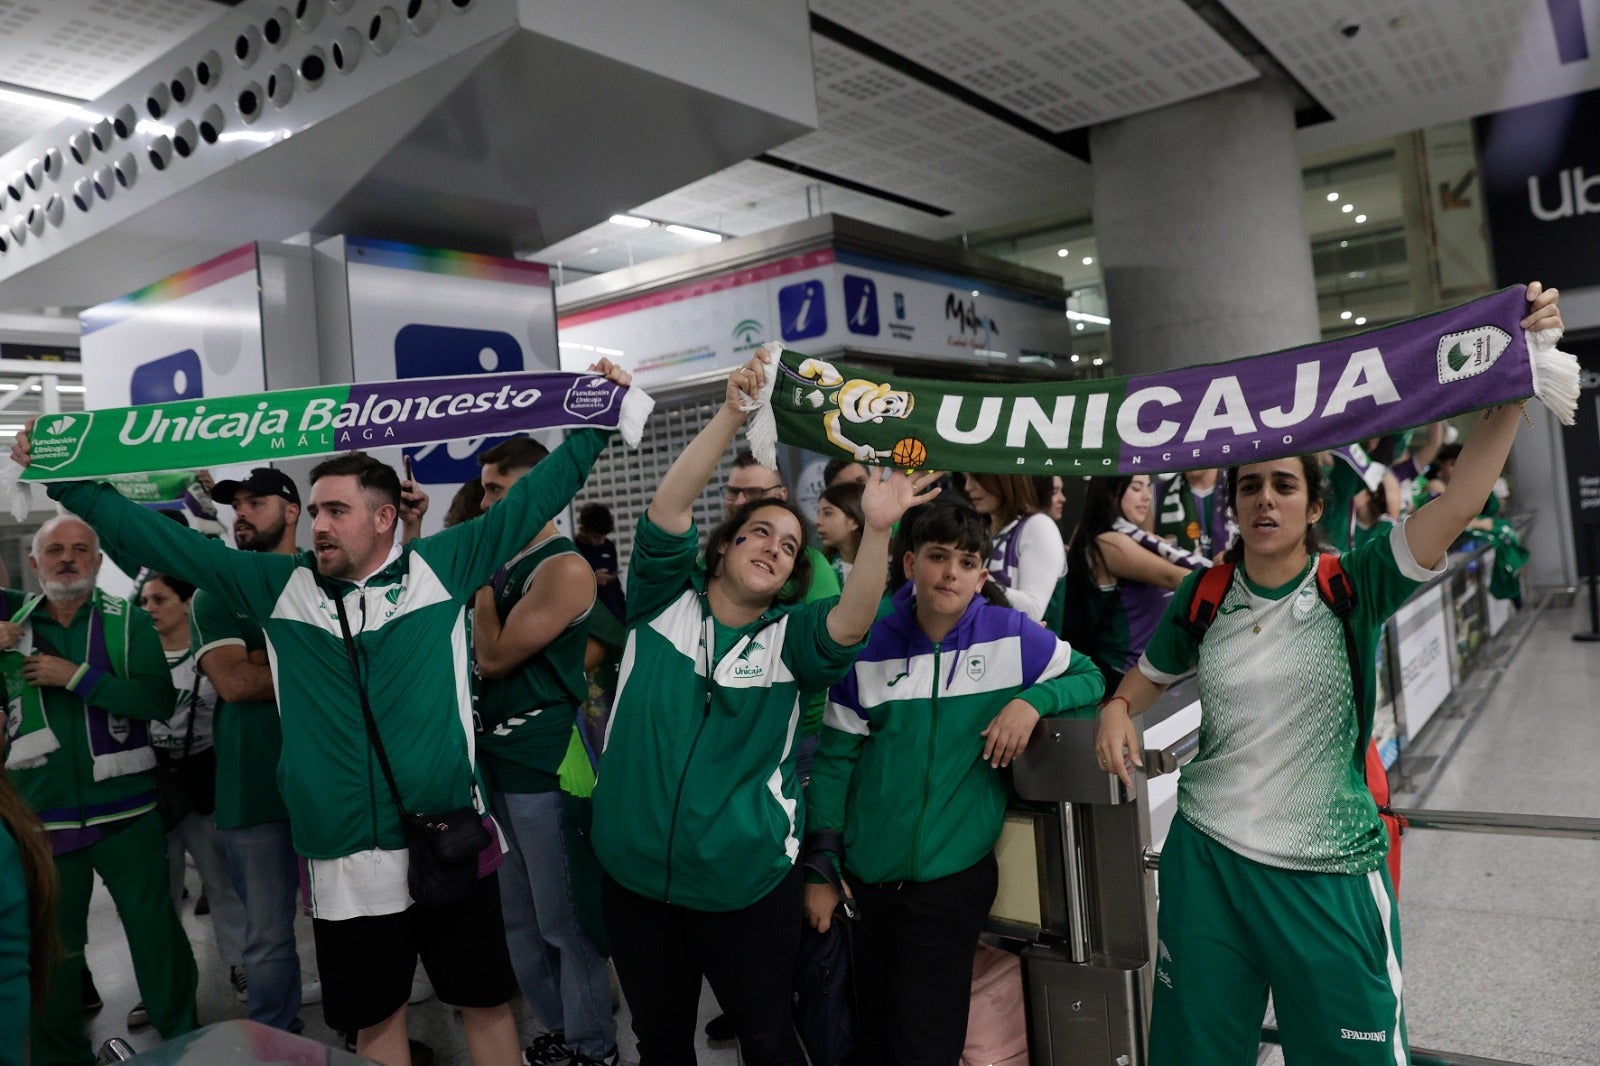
408 628
899 770
697 801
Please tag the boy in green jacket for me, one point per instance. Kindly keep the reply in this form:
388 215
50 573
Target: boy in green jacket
947 692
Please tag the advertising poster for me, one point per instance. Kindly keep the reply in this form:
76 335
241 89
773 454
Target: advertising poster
816 302
1423 654
424 312
193 335
1541 179
1581 444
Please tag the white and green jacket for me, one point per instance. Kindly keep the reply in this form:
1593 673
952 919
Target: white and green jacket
408 627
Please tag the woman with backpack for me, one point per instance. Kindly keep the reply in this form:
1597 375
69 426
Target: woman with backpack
1273 876
1119 577
698 814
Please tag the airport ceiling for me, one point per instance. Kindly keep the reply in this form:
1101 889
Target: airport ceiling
943 117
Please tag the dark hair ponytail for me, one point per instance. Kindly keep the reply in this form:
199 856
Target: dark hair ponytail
39 877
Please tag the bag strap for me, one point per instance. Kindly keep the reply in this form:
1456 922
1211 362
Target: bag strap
194 704
820 845
1208 594
366 708
1339 593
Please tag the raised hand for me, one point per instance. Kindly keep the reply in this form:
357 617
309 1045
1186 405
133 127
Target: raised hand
612 372
885 498
1545 313
19 447
744 384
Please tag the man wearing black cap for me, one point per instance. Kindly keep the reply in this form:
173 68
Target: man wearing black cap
231 651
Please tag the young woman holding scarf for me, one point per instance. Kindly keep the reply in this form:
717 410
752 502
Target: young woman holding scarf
1119 577
1273 875
697 811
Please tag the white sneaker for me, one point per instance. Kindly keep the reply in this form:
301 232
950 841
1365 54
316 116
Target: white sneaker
310 993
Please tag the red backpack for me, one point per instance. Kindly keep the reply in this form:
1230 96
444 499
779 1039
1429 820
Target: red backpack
1337 591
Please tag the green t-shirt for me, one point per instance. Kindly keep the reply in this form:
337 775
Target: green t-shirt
246 734
528 714
1279 775
825 583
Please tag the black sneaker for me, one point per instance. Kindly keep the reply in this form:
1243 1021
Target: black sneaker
138 1017
91 995
610 1058
421 1054
719 1031
548 1049
202 906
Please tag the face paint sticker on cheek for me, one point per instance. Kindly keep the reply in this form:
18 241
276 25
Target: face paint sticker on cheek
740 540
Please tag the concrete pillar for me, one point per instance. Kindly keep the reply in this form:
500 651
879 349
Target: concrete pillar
1202 237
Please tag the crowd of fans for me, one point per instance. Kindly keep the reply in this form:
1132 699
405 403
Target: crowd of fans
648 751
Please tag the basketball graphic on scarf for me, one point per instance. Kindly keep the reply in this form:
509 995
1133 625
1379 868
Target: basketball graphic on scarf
909 452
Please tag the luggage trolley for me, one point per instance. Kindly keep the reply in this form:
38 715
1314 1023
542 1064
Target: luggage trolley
1077 881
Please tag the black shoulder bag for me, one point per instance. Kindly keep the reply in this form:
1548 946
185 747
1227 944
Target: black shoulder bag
444 847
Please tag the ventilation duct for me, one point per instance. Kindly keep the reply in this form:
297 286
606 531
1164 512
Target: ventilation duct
486 125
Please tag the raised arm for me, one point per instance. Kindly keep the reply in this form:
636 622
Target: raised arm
466 556
883 500
672 506
1440 521
1127 561
560 592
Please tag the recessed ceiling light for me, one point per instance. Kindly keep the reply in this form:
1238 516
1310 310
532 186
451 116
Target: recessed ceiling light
631 221
1362 320
694 232
1079 325
1347 208
1062 253
1346 315
1344 244
1332 196
1360 219
1098 361
1074 359
1088 260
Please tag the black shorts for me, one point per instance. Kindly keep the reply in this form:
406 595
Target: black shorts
366 964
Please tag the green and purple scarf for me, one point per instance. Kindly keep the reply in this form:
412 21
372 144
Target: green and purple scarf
1292 402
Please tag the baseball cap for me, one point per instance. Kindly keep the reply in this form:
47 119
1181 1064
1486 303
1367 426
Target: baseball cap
263 481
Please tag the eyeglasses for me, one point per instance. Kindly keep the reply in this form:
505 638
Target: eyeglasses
756 492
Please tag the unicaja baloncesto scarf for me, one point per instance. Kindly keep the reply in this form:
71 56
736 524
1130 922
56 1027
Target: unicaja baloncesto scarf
1269 406
117 745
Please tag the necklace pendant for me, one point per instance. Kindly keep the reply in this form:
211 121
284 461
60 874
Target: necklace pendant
1257 628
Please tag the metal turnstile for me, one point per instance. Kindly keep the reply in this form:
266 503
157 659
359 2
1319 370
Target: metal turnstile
1090 908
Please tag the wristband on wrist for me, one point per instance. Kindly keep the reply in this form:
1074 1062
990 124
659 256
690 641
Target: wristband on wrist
1114 699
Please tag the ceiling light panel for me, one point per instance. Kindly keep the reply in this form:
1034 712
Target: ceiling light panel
1063 64
1409 66
86 49
887 131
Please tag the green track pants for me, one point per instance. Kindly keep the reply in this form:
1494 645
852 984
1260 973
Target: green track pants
132 860
1327 947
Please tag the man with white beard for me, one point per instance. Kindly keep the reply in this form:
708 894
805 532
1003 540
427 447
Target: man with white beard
84 672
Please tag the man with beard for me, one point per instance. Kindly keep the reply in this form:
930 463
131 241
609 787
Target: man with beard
92 673
365 627
232 652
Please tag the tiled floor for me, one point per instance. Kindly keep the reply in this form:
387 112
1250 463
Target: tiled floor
1501 933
